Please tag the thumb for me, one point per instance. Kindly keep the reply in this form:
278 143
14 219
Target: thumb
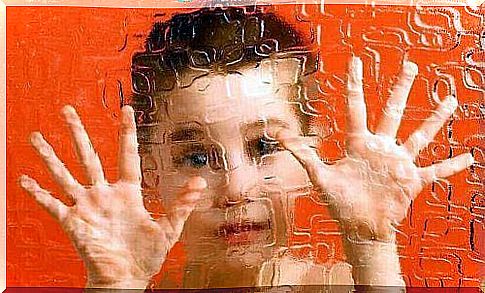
185 203
316 169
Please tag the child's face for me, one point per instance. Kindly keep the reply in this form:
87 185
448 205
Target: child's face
220 128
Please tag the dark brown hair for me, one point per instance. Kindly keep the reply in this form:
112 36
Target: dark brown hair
194 44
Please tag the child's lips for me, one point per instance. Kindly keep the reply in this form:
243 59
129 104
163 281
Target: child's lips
247 220
244 232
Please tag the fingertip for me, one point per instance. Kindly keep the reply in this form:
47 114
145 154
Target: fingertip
451 102
283 135
355 60
128 117
25 181
68 110
355 74
127 109
22 179
410 68
469 159
70 115
35 138
356 64
191 197
197 183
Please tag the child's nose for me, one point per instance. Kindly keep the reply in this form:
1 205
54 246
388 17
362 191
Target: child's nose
241 183
241 175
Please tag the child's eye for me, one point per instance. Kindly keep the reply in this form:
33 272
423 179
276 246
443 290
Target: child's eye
266 148
197 160
193 155
261 146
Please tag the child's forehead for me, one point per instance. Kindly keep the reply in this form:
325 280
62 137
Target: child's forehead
231 109
216 102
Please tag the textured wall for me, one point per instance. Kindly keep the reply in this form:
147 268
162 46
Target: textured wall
81 56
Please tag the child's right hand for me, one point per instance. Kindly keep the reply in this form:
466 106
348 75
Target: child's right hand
121 245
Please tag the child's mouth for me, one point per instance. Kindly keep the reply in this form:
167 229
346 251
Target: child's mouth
247 223
245 233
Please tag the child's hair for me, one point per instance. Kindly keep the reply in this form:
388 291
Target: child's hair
208 40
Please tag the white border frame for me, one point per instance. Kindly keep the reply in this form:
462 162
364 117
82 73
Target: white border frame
142 4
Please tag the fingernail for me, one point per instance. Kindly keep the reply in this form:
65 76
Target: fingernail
128 113
40 145
451 103
410 68
25 181
128 109
36 138
69 112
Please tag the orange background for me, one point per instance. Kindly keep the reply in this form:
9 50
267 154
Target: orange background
81 56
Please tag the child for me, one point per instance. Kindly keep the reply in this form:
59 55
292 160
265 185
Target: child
225 145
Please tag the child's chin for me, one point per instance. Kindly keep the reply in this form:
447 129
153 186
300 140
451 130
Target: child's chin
261 248
249 257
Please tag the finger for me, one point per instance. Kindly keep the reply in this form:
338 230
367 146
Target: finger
57 169
306 155
129 159
54 206
84 149
311 141
356 109
394 109
446 168
385 231
185 203
427 131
